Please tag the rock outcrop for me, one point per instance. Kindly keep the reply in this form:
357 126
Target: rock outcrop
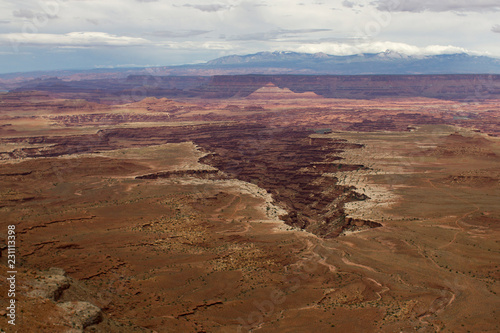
50 284
81 314
270 91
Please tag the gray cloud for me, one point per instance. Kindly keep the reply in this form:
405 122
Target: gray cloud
29 14
348 4
437 5
146 0
177 34
4 22
344 40
93 21
209 8
23 13
275 34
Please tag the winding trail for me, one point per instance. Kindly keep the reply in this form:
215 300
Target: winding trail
350 263
457 221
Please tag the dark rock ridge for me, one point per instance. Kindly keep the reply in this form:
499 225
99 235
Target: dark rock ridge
453 87
168 174
468 88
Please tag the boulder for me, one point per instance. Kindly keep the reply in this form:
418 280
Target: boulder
81 314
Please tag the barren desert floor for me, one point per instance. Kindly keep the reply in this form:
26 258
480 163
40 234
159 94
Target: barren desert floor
251 214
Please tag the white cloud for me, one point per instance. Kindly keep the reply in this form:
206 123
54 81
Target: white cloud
378 47
72 39
496 28
438 5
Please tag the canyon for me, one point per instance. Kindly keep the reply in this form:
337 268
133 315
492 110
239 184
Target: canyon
254 203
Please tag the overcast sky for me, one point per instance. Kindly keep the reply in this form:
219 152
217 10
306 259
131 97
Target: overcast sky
62 34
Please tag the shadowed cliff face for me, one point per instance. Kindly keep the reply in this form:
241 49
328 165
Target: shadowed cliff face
293 168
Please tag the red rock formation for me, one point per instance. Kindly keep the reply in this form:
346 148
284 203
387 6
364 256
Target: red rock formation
270 91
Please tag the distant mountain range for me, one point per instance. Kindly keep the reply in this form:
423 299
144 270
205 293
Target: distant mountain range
389 62
376 63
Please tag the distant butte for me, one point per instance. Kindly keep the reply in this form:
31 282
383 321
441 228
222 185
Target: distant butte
271 91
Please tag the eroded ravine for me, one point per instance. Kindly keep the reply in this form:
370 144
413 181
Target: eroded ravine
290 165
286 162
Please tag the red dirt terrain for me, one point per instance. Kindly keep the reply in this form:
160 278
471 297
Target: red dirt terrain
468 88
251 214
